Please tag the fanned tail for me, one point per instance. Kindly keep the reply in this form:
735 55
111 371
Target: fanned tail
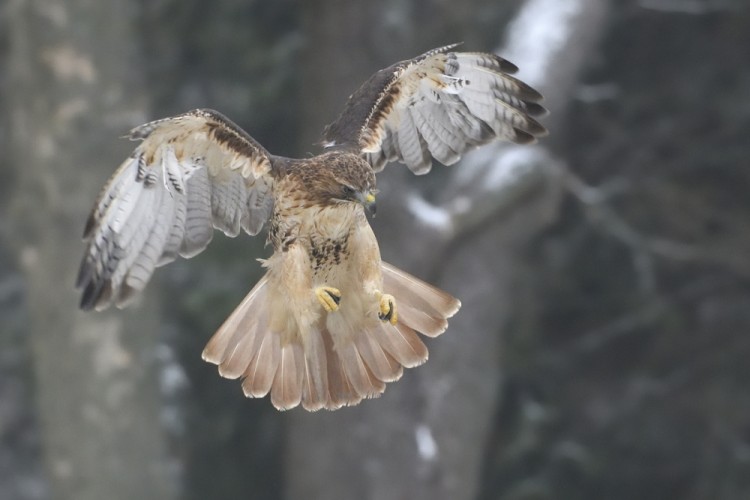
347 356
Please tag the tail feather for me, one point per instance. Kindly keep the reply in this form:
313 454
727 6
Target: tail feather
286 391
423 296
340 390
358 373
315 382
402 343
421 306
261 373
382 364
237 358
339 360
422 322
238 324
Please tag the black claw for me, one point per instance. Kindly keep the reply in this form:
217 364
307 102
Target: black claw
336 298
389 314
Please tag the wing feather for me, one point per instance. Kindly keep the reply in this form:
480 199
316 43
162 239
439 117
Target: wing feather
413 146
228 203
155 242
176 231
429 129
198 220
455 101
191 173
133 237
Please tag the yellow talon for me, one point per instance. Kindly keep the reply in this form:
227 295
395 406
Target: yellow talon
328 297
388 310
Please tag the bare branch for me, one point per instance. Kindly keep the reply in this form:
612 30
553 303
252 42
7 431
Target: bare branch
594 201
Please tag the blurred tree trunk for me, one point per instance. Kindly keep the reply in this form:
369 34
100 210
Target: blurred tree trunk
427 436
338 53
74 88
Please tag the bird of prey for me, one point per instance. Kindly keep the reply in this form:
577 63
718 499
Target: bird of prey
330 323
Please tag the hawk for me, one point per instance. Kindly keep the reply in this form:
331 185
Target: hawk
330 323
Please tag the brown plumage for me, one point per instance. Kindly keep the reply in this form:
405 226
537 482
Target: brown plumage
330 323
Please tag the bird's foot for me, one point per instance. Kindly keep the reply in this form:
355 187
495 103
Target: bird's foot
388 310
328 297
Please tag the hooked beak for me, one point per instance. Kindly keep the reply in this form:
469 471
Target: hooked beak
368 201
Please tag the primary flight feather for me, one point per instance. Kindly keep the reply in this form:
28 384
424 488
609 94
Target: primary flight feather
330 323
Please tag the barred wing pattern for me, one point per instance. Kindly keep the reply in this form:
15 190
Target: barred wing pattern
440 104
192 173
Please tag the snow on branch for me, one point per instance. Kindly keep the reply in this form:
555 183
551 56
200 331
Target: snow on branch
508 178
537 34
550 41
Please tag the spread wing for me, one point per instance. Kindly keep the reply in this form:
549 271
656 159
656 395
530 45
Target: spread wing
440 104
192 173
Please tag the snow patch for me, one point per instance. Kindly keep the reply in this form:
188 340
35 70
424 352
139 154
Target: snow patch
172 377
426 445
512 166
428 214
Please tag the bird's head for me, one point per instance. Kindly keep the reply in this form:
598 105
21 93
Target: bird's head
365 197
348 179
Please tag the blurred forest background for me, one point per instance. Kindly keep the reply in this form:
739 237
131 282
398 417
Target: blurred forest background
603 349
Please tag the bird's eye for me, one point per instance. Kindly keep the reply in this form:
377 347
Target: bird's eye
348 192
